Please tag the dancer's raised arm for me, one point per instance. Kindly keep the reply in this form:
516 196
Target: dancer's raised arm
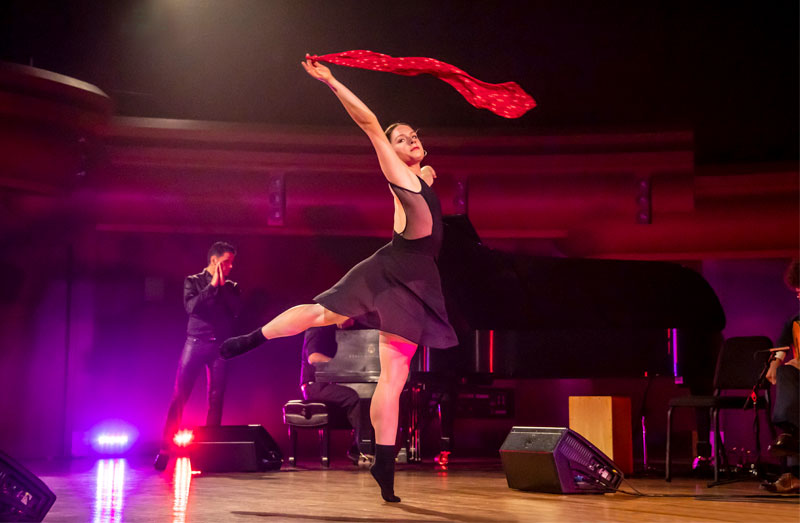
394 169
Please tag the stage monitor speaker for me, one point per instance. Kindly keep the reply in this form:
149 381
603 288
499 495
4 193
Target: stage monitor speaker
23 496
234 448
556 460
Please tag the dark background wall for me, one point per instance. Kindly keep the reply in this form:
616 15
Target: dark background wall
727 70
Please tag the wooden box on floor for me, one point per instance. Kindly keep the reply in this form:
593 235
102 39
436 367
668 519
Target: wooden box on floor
606 422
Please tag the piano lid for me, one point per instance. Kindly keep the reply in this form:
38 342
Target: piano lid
489 289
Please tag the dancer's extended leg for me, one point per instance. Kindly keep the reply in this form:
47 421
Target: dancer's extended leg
288 323
395 355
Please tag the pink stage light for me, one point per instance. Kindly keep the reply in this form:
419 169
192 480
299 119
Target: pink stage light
182 438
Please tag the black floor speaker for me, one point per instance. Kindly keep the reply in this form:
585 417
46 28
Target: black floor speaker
23 496
556 460
234 448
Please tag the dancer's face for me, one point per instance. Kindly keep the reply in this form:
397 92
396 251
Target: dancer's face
406 144
225 261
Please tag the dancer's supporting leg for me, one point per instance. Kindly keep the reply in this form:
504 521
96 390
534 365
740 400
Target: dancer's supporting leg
395 355
288 323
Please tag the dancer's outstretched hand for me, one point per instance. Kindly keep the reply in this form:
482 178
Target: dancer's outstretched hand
317 70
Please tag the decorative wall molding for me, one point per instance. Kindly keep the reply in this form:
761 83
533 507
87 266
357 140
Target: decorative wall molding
576 194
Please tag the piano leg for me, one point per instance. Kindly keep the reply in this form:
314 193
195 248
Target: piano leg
415 432
446 410
669 445
366 434
292 446
408 426
324 446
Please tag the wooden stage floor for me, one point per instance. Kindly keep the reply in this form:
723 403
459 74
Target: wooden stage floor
470 491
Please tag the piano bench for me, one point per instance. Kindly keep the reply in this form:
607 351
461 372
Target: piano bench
302 414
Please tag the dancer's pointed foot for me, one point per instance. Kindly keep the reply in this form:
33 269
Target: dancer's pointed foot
383 472
233 347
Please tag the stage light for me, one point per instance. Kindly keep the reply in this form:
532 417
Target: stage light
112 437
442 459
112 440
115 443
182 438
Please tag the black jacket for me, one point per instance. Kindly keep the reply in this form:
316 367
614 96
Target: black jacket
211 310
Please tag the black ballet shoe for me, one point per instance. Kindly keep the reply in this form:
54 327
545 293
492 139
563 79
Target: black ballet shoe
161 461
238 345
383 472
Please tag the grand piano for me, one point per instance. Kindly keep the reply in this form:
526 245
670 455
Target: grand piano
522 316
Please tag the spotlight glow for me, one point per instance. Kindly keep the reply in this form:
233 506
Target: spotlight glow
183 437
111 440
112 437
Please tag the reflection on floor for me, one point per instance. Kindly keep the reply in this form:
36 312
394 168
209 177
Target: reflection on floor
110 492
181 481
115 490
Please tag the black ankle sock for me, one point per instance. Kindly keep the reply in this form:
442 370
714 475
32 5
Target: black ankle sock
383 471
241 344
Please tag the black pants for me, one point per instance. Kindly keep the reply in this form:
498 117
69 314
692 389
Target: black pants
347 399
786 411
197 353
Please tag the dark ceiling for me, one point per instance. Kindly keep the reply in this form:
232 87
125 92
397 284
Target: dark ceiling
727 70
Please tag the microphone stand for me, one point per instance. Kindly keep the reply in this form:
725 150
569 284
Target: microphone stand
752 401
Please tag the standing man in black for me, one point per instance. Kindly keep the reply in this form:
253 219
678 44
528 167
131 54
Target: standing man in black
212 302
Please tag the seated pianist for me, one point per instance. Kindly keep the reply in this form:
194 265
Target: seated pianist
319 346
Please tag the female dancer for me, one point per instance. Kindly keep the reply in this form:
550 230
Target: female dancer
397 290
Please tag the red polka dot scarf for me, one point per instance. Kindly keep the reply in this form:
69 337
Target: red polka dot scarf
507 99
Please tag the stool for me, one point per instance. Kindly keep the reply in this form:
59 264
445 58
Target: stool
302 414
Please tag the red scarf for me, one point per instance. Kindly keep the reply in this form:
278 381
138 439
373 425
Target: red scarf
507 99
